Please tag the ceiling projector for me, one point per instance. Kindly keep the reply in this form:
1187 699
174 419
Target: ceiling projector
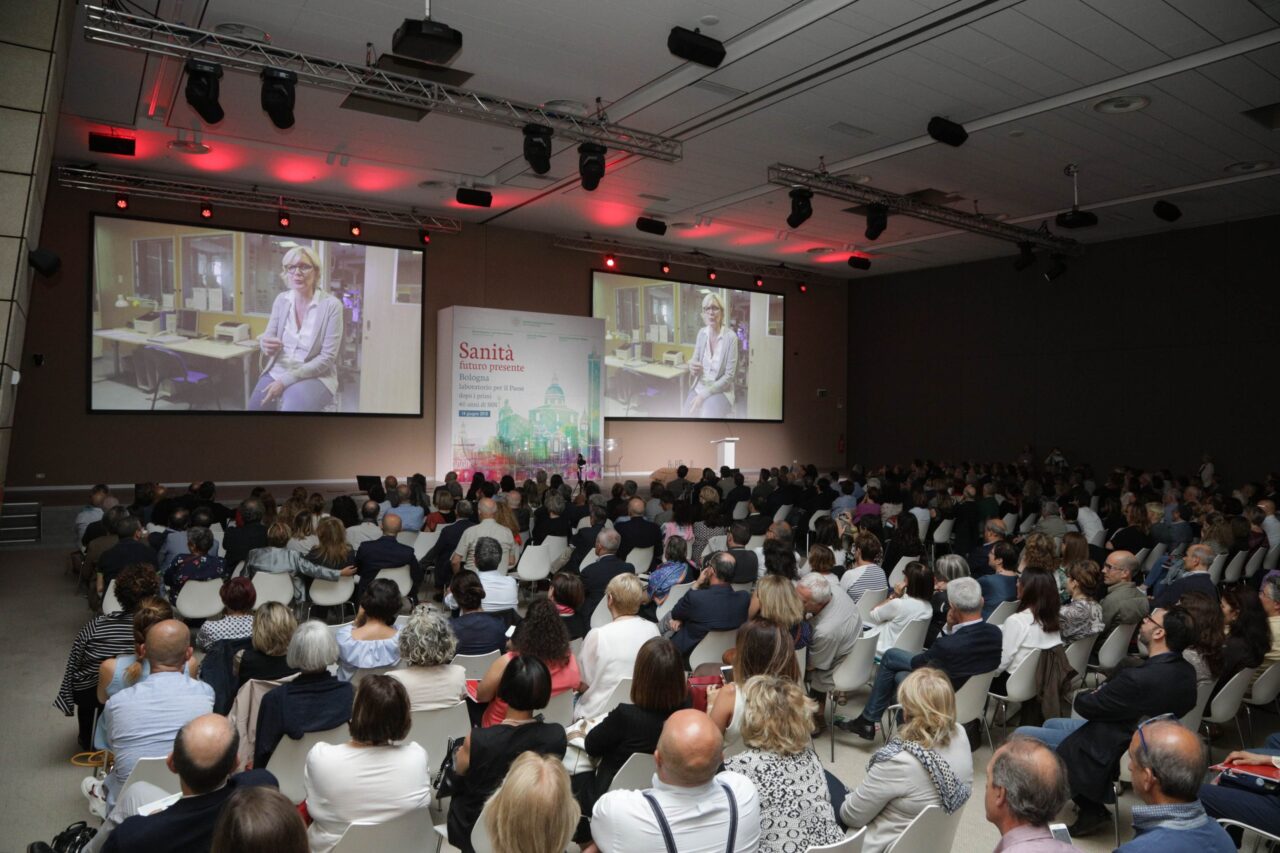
1076 218
427 40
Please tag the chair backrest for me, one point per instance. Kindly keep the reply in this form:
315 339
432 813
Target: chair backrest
621 694
1141 556
641 558
1235 568
813 519
1094 501
111 604
601 615
942 535
869 599
855 670
1021 685
899 573
1010 520
848 844
929 831
290 759
1254 563
480 840
476 665
556 545
1267 687
1098 539
912 637
971 698
1027 523
1226 704
1193 717
1273 556
1115 646
1153 559
714 544
636 773
741 509
1003 611
425 542
401 576
272 586
677 592
783 512
1078 654
408 537
559 709
432 729
331 593
403 832
535 563
1215 568
591 557
155 771
712 648
200 599
755 542
583 523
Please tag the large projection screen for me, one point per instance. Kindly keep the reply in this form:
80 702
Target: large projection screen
678 350
206 319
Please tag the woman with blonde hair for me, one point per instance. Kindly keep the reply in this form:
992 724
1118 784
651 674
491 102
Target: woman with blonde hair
796 811
609 652
927 763
713 365
775 600
273 627
303 538
506 516
534 811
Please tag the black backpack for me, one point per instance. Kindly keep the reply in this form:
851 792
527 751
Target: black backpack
71 840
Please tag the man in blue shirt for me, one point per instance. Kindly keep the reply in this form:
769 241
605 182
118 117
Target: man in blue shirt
411 517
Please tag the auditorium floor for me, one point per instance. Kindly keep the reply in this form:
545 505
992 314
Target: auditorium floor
40 789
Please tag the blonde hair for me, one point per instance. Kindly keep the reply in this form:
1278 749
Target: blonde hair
779 601
273 627
305 253
534 810
929 705
778 716
627 592
717 301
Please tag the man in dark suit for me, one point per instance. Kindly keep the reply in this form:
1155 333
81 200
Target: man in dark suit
759 519
131 548
583 541
967 647
596 576
711 605
204 757
638 532
739 493
746 564
992 532
1092 746
387 553
250 533
441 554
1195 578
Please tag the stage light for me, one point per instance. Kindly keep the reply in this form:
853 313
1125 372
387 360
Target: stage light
1057 266
666 268
202 89
282 216
802 287
1026 257
537 147
1166 210
278 96
591 164
206 210
859 263
801 207
711 275
424 236
947 132
354 228
122 201
877 220
651 226
759 281
610 261
473 197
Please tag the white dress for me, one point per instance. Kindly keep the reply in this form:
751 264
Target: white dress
608 656
348 784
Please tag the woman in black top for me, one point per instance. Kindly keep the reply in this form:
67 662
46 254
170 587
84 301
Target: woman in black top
482 760
273 627
1137 535
478 632
904 543
1248 633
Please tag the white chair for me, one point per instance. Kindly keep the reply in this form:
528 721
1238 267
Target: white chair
1234 569
677 592
755 542
1098 539
1190 720
714 544
408 537
1003 611
200 599
289 759
641 558
848 844
712 648
432 729
1141 556
559 709
911 640
783 512
1027 523
869 600
1225 707
425 542
332 594
1010 520
850 674
534 565
1093 502
476 665
556 545
154 771
1153 559
1021 685
272 586
1227 823
361 674
1264 691
636 773
813 519
575 646
1078 655
942 535
400 575
1215 569
899 572
971 701
239 570
583 523
601 615
744 587
930 831
1113 649
404 832
741 509
1254 563
621 695
1269 561
111 604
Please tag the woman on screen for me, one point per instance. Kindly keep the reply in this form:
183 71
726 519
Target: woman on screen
713 365
301 342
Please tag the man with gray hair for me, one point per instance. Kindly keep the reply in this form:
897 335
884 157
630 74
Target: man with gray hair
464 554
836 626
712 604
1026 788
608 565
967 646
500 591
1051 523
1167 763
1194 578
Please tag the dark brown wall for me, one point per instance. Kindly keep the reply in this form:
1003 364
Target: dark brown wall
483 266
1147 352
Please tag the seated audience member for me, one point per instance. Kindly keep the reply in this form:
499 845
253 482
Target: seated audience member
372 778
248 534
1136 534
92 511
927 763
910 601
1167 763
141 721
500 591
386 552
905 542
130 549
104 537
1026 788
102 638
745 560
478 632
1195 578
681 521
1204 653
315 701
608 565
761 648
267 658
121 671
711 605
278 558
711 522
1092 745
1269 598
550 520
373 640
173 540
412 516
993 531
236 622
204 759
1124 603
865 574
303 532
259 820
672 571
836 627
1034 626
697 804
1258 808
1248 635
775 600
1001 583
443 512
658 690
367 530
1051 523
566 590
195 565
609 652
331 549
796 811
488 525
541 635
426 646
484 757
344 510
534 811
946 568
644 534
966 647
1081 616
777 555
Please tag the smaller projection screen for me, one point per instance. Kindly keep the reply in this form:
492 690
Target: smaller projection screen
202 318
679 350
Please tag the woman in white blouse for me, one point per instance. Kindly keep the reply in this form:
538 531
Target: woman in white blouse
372 641
301 341
714 364
609 652
372 778
911 601
1034 626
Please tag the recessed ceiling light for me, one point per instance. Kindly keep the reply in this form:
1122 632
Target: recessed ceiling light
188 146
244 31
708 20
1122 104
1248 167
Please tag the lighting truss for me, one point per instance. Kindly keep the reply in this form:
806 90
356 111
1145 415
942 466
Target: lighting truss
150 35
692 259
832 186
250 198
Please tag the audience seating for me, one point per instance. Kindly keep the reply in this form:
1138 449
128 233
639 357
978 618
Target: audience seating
153 770
601 615
1027 523
559 709
1192 718
755 542
1273 556
1254 563
714 545
849 844
200 599
1264 691
1113 649
930 831
591 557
783 513
1020 687
899 572
111 604
641 559
620 696
1003 611
289 760
271 586
408 537
425 542
1215 569
712 648
401 576
813 519
432 729
741 510
1154 558
1078 655
636 773
869 600
942 535
850 674
1225 707
476 665
401 833
971 704
912 637
1227 823
332 594
556 545
677 593
535 564
1235 568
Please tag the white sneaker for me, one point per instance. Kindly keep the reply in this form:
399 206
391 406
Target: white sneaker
96 794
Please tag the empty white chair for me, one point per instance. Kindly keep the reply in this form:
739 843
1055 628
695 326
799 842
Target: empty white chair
1254 563
601 615
1225 707
289 759
641 558
1078 655
930 831
636 773
559 709
912 637
425 542
404 832
432 729
1235 568
200 599
476 665
155 771
332 594
111 604
850 674
848 844
401 576
677 592
534 565
1003 611
272 586
712 648
1215 568
1153 559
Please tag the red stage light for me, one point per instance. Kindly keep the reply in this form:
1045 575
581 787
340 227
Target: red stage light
424 236
354 228
759 281
711 275
206 210
282 216
122 201
804 288
610 261
666 268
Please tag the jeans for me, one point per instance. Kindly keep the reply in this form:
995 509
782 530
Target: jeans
1053 732
838 792
308 395
895 666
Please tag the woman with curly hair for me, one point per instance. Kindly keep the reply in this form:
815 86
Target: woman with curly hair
541 635
427 645
1205 654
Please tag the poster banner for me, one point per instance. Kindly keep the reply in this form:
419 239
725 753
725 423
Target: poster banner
518 392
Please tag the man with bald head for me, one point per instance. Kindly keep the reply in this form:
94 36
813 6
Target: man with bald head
387 552
1167 763
464 555
1124 603
141 721
638 532
1026 788
697 808
1194 578
204 757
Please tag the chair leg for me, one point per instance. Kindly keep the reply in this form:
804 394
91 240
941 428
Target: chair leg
1116 823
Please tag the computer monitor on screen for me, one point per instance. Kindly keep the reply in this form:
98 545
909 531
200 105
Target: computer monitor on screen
187 323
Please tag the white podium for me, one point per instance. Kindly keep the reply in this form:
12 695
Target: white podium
725 451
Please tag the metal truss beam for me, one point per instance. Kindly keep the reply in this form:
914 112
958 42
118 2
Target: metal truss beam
689 259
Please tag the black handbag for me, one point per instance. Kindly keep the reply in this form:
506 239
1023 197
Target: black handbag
447 783
71 840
